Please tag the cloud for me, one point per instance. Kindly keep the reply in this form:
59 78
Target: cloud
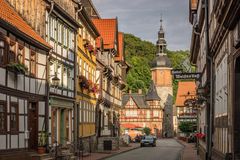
141 18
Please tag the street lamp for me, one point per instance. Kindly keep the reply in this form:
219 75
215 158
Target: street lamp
55 80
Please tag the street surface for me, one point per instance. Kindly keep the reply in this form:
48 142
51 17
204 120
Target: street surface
167 149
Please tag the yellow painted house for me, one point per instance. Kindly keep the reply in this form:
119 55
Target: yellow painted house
86 87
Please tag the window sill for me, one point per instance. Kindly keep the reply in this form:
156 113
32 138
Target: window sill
3 132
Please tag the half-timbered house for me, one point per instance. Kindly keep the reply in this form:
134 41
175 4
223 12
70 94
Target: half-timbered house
61 31
143 111
219 41
110 73
55 21
186 113
23 84
86 86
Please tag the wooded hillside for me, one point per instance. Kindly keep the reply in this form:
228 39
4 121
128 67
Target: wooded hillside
139 54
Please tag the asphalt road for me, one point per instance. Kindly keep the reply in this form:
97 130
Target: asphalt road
166 149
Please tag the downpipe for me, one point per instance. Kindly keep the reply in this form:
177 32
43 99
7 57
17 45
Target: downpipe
209 60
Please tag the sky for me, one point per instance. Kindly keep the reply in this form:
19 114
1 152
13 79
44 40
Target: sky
142 18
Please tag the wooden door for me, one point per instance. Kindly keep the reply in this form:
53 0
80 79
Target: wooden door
33 125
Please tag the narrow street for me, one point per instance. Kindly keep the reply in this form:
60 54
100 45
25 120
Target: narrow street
167 149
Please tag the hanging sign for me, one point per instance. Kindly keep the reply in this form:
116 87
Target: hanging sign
176 71
195 76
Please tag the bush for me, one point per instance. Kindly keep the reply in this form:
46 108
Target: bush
187 127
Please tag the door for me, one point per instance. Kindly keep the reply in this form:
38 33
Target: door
33 125
236 110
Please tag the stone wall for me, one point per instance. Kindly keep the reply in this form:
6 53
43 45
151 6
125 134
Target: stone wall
88 144
115 142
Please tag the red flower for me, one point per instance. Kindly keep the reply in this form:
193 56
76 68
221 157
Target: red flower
90 48
200 135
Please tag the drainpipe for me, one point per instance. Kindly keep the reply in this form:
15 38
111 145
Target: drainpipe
76 105
210 106
47 101
52 6
48 85
79 9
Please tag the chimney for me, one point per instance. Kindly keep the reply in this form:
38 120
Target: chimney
139 91
130 91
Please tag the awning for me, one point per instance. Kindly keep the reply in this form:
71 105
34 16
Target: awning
130 126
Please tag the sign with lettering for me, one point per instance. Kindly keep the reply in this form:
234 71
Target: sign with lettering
176 71
195 76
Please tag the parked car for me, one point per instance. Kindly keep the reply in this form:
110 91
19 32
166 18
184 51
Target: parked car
148 141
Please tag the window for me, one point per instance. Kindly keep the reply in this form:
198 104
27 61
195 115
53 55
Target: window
83 112
86 112
33 63
131 102
80 66
65 77
59 32
155 113
65 36
3 117
84 68
87 71
71 40
131 113
148 114
12 51
2 51
80 114
70 78
20 54
13 117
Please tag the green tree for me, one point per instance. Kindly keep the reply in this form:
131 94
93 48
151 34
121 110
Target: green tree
146 130
140 53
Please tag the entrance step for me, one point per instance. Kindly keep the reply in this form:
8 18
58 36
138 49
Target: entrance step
41 157
16 155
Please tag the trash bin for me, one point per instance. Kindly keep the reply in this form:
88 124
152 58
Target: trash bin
107 145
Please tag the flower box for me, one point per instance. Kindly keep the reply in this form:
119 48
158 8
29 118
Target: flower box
17 68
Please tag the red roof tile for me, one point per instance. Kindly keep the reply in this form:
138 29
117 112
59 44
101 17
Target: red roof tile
186 90
120 55
107 29
9 15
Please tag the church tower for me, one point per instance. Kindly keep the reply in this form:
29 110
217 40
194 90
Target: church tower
162 78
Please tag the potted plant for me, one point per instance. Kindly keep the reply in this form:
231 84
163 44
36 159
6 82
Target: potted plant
90 48
94 88
42 142
83 82
18 68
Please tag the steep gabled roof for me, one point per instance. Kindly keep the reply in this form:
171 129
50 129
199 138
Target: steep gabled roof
186 90
152 94
108 31
11 18
139 99
120 55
